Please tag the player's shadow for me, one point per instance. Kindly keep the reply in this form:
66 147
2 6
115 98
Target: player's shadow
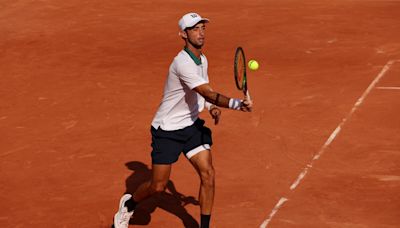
170 200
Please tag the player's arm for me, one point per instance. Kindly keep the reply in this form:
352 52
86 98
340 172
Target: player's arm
220 100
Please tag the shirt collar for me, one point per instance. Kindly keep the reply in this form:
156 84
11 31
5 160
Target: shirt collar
193 56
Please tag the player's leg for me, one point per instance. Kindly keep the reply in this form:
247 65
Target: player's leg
158 182
165 152
202 162
166 149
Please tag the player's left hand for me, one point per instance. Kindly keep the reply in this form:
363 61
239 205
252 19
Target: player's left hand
215 113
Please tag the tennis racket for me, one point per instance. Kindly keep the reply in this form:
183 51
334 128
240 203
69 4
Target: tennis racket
240 71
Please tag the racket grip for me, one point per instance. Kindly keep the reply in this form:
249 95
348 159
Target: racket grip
247 94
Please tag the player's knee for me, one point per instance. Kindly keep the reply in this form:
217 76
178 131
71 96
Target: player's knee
157 187
208 177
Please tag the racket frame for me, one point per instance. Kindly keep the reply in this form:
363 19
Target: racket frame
243 86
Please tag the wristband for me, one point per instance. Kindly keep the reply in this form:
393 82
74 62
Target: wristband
212 107
207 105
235 104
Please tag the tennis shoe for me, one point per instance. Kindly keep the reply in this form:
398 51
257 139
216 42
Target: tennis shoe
122 217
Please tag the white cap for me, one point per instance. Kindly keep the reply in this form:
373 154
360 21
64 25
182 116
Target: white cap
190 20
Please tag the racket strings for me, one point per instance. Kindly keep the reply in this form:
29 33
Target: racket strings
240 69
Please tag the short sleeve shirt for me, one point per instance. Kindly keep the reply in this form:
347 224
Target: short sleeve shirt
181 105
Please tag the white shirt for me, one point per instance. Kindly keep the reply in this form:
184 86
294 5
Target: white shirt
181 105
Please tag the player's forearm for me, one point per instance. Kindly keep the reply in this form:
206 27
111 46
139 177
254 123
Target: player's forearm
217 99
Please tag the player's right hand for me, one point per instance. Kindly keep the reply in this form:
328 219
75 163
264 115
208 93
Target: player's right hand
247 105
215 113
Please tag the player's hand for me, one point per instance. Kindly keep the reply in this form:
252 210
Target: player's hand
247 105
215 113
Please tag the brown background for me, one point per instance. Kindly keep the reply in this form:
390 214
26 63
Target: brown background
81 80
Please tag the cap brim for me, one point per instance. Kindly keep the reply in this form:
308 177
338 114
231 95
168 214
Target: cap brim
205 20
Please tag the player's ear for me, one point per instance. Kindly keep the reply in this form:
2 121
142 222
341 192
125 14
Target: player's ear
183 34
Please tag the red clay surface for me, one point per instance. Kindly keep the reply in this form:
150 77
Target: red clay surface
81 80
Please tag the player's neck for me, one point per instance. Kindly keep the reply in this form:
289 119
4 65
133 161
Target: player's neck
195 51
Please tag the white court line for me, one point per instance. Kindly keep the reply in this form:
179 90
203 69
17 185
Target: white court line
276 208
388 87
332 137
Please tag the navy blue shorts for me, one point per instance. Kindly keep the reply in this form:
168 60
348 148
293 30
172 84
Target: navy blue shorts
168 145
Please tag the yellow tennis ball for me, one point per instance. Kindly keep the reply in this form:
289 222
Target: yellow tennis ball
253 65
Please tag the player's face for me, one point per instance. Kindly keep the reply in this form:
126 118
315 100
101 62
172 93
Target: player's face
196 35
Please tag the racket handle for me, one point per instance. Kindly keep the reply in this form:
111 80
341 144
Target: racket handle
247 94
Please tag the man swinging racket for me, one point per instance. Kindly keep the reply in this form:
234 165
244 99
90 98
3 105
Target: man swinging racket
177 128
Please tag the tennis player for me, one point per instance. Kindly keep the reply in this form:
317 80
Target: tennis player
177 128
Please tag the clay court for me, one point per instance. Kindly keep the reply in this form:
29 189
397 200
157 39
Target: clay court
80 82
